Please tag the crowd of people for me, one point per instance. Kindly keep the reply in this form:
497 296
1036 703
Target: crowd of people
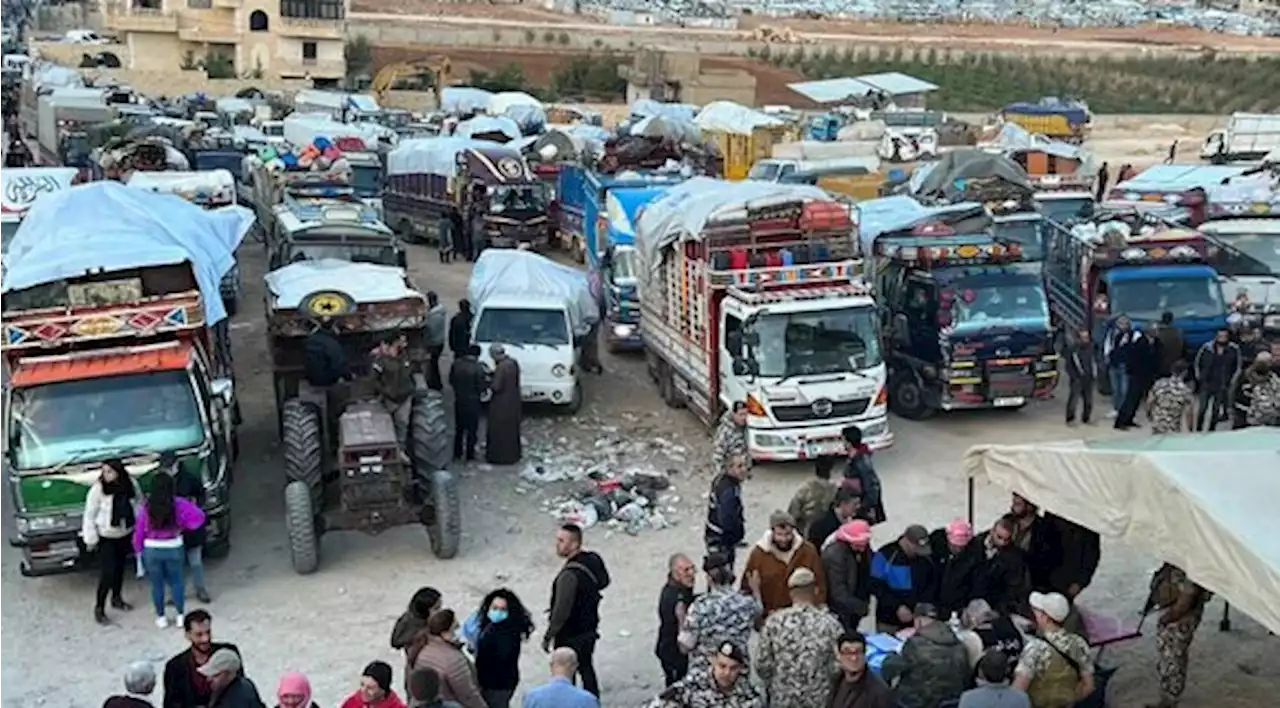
1228 379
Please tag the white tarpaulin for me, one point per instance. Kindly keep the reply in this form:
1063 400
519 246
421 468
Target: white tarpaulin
21 186
434 156
303 129
730 117
501 101
1204 502
109 226
461 100
217 186
484 125
363 282
520 273
680 213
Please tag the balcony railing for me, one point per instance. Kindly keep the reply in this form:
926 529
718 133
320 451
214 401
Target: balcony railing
311 28
204 28
122 18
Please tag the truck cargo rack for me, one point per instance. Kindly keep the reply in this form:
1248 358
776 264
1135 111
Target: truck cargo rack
71 326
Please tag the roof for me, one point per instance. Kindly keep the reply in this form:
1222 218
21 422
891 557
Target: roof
1199 501
1177 178
36 371
892 83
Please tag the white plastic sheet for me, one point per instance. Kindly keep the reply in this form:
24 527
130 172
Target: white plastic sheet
481 125
363 282
681 213
464 99
435 156
519 273
109 226
303 129
501 101
730 117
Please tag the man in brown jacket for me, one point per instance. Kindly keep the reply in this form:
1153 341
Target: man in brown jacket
776 556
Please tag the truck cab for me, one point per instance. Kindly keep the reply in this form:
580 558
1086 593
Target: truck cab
366 177
310 228
613 266
966 320
1163 186
1247 234
1126 263
111 365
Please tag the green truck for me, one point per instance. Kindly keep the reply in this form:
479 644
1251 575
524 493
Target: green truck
115 364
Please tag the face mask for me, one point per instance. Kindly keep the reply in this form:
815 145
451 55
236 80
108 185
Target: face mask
497 615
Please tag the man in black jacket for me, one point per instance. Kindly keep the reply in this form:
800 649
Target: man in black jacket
469 382
575 603
1216 364
844 507
725 527
184 685
956 559
1142 362
1001 575
460 329
1081 373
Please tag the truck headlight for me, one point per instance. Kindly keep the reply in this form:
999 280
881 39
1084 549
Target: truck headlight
559 371
42 524
623 330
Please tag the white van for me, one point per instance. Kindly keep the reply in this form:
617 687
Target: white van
536 332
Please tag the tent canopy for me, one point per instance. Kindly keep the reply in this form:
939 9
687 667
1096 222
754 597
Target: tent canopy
1203 501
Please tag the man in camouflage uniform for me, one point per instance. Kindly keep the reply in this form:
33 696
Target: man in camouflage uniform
797 651
721 615
1178 626
815 497
1169 405
393 381
724 684
731 437
1055 669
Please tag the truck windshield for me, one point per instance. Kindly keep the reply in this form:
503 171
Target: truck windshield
1028 233
94 419
366 180
1063 209
764 171
516 199
380 255
1250 254
986 301
75 149
1184 297
522 326
823 342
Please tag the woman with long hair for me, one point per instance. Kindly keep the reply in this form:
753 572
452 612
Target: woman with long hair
106 524
437 647
505 624
158 538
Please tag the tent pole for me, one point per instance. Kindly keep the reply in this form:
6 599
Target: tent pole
971 501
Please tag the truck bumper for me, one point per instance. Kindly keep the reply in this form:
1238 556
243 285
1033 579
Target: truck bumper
535 243
50 554
810 442
1035 387
559 392
622 336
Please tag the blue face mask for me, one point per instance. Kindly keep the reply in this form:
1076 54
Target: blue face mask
497 614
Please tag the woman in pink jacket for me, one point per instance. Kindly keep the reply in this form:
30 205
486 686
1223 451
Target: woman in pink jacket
157 538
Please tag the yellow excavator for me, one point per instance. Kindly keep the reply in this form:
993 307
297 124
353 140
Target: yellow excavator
438 67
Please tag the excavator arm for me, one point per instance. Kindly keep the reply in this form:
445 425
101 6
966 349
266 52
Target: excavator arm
439 67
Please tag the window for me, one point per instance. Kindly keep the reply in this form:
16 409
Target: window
308 51
313 9
258 21
199 4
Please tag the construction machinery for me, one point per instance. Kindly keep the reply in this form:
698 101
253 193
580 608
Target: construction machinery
439 68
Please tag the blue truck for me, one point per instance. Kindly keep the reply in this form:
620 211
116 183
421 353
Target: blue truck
581 193
613 270
1129 262
964 310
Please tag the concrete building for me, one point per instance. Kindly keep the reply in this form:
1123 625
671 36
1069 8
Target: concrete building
289 39
671 76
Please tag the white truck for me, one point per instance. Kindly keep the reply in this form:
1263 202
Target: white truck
1243 220
1247 137
750 292
538 310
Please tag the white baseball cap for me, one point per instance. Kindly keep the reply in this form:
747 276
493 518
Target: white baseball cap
1053 604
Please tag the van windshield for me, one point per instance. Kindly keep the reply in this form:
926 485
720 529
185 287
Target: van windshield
522 326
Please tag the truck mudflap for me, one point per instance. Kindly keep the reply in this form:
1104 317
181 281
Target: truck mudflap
808 443
51 554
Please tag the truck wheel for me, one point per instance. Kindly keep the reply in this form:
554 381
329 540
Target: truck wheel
300 522
667 384
406 232
907 398
231 305
575 401
443 514
430 445
303 451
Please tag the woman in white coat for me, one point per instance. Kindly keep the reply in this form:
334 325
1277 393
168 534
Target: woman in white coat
108 527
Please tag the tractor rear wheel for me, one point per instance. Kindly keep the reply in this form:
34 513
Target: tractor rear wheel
430 444
300 521
303 444
443 514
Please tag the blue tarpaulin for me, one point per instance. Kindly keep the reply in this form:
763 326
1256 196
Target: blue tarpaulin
108 226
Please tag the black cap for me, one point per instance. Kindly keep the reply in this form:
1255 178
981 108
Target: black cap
844 494
733 651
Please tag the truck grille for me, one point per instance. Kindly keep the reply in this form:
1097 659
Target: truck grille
839 409
1010 381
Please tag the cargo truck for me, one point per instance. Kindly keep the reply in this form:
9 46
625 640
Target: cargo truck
581 195
1248 136
1245 226
613 268
750 293
63 129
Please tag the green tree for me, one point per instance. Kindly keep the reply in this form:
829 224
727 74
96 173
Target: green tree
358 55
218 66
509 78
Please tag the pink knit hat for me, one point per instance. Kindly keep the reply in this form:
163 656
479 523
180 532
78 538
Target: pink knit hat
959 532
856 533
295 683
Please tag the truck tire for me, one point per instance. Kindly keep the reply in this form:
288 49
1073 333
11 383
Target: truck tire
407 233
575 401
443 514
430 445
303 445
300 522
667 385
906 398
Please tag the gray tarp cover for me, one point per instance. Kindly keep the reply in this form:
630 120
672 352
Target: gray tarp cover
967 165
